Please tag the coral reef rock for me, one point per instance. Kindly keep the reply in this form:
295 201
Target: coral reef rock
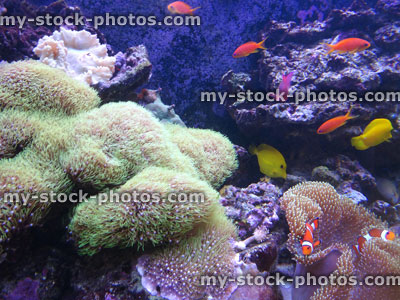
132 70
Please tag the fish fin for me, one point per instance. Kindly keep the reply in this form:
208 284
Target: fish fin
317 243
348 116
375 123
315 222
255 51
288 76
361 240
355 249
253 150
261 44
265 147
194 9
331 48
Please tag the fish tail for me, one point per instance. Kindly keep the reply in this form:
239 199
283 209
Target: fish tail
331 48
194 9
348 116
253 150
261 44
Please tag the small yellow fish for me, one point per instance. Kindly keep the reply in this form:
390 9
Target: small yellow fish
270 160
377 132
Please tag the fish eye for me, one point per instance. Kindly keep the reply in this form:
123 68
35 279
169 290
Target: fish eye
281 166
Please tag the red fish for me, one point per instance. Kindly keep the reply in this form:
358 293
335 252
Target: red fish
334 123
284 87
307 243
248 48
181 8
351 45
385 235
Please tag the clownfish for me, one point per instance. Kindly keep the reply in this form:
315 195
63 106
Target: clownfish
351 45
385 235
307 243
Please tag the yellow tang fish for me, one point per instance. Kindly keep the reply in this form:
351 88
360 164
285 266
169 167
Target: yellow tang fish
377 132
270 160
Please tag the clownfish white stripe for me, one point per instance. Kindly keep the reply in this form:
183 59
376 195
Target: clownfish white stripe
310 229
307 243
383 235
367 237
313 225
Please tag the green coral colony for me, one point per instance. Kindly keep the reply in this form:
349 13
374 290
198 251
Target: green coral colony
56 137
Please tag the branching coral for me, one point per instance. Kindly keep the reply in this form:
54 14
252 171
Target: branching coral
33 86
177 272
78 53
341 222
145 209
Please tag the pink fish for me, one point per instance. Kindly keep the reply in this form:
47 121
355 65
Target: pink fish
284 86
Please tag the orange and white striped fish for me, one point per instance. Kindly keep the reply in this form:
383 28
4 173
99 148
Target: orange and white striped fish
307 243
385 235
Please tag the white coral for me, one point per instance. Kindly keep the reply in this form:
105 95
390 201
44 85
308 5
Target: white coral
78 53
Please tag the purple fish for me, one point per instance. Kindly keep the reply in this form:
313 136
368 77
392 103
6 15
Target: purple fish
284 86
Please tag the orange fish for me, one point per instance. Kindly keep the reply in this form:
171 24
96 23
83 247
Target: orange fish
351 45
181 8
385 235
248 48
307 243
334 123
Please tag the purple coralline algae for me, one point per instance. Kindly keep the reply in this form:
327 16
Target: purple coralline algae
316 11
351 173
132 70
252 207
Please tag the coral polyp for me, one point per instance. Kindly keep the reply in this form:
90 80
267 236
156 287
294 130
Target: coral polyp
187 270
156 206
33 86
